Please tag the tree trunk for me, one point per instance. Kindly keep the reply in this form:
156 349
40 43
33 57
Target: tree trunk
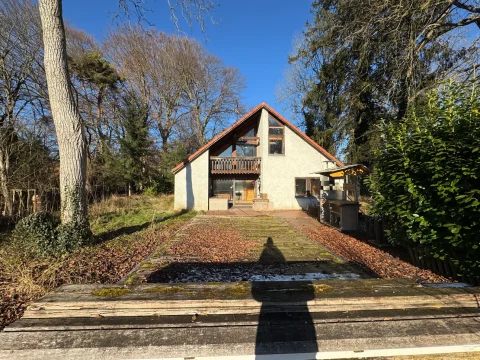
4 164
66 117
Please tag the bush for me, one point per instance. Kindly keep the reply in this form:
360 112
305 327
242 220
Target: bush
37 233
74 234
426 184
41 234
152 190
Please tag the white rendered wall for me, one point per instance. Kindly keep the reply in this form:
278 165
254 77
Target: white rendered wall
191 185
278 173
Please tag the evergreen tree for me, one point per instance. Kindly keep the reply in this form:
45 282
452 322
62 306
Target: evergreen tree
134 142
372 60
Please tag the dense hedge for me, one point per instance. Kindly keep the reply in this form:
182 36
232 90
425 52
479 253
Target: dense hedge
426 184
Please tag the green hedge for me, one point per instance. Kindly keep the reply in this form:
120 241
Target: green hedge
426 183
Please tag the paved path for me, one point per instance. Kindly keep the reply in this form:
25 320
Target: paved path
281 253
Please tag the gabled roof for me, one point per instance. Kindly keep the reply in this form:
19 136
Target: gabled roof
244 119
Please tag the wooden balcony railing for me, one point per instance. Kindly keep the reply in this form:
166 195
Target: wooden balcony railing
235 165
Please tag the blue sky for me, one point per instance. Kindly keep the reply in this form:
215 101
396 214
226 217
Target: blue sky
254 36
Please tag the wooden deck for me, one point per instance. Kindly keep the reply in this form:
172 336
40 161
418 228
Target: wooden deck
361 318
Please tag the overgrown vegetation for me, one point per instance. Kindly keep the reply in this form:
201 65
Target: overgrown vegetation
427 180
145 99
362 61
37 234
126 230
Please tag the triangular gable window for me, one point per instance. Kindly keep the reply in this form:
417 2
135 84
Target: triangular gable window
273 122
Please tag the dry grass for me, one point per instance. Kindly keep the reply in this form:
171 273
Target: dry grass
122 211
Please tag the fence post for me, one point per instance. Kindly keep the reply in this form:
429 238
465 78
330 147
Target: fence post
378 231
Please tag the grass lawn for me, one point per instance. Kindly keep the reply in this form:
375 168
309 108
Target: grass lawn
126 230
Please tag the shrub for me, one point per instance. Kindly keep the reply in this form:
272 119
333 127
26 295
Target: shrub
41 234
72 235
36 233
151 190
426 184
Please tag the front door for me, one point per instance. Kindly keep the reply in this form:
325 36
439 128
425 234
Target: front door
249 194
244 191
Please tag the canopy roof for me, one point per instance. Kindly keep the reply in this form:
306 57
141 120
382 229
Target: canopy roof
354 169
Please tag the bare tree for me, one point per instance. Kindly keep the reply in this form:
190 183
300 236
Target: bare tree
66 116
184 85
21 79
298 79
149 61
212 90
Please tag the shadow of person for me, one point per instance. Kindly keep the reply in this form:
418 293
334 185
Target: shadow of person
285 325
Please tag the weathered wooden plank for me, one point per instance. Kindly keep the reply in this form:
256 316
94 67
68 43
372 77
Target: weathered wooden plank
363 335
246 319
156 308
336 288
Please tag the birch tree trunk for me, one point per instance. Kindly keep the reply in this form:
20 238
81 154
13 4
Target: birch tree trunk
66 117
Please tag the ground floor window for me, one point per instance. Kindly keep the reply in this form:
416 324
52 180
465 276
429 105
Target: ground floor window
315 186
301 187
307 187
223 188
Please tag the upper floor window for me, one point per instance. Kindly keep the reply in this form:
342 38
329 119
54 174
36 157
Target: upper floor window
250 132
244 150
227 152
275 136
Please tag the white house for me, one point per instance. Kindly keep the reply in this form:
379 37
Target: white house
261 156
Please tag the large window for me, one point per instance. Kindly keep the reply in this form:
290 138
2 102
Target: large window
314 186
227 152
244 150
307 187
275 136
223 188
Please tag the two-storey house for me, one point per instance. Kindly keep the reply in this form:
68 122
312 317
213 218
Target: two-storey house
260 155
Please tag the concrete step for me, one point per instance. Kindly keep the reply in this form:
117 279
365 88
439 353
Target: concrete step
328 296
302 319
323 341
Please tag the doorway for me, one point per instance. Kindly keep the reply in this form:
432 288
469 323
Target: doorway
244 191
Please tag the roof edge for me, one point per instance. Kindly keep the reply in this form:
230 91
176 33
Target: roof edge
260 106
304 136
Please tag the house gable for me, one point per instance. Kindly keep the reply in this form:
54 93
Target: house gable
237 126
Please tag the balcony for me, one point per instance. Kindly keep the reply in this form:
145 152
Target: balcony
235 165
